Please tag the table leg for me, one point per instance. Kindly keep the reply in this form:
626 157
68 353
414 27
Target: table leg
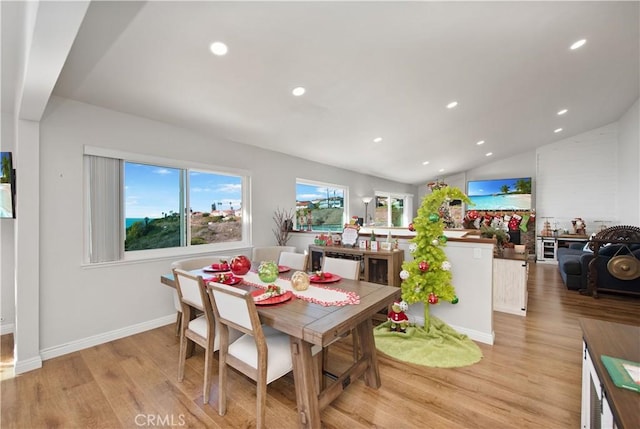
368 350
305 379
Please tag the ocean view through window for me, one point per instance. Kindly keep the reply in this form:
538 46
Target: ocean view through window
139 210
156 199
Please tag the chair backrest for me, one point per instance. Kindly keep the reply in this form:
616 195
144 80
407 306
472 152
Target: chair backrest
192 291
194 264
197 263
235 307
345 268
296 261
269 253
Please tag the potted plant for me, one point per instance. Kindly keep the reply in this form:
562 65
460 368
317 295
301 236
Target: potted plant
284 225
499 234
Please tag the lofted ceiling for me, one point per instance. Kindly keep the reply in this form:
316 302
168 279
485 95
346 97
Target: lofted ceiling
370 69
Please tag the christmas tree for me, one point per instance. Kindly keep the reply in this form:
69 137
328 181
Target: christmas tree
427 278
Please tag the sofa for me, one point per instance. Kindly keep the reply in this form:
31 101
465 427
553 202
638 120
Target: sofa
573 262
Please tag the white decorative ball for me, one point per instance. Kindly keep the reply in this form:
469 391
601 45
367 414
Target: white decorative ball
446 265
404 306
413 247
435 242
404 274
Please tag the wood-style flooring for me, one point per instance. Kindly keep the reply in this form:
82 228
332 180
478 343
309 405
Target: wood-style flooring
530 378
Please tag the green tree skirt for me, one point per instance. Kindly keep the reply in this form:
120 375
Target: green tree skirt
440 347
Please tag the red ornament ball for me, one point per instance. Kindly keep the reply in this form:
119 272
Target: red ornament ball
423 265
433 298
411 228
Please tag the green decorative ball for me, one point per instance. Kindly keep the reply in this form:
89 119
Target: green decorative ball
443 239
433 217
454 300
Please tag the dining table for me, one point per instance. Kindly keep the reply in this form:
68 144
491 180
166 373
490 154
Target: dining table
319 316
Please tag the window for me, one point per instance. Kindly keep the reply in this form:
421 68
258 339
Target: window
392 209
320 206
138 209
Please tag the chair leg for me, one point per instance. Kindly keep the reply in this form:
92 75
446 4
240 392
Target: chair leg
183 356
222 384
208 370
261 403
356 350
178 322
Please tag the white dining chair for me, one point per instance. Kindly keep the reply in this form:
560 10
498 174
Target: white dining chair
345 268
190 265
295 261
262 353
269 253
199 330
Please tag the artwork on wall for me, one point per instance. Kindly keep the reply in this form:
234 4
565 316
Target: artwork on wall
500 194
7 186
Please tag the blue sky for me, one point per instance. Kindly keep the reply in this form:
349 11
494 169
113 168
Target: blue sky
314 192
151 190
490 187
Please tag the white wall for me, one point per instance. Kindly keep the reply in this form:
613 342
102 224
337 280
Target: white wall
578 177
629 166
79 302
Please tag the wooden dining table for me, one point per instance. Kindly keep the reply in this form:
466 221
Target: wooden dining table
309 324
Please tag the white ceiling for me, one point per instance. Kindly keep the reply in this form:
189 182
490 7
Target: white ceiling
371 69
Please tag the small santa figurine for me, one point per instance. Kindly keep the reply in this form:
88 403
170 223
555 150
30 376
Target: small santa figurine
398 317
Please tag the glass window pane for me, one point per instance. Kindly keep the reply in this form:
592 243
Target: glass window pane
215 207
397 211
152 206
320 207
381 213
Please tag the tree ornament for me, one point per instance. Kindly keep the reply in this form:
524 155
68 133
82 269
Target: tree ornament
454 300
404 274
413 247
424 266
446 266
443 239
411 228
434 217
433 298
435 242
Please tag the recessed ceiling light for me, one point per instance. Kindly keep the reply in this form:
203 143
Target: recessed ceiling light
480 142
452 105
377 140
425 163
441 170
562 112
218 48
298 91
557 130
488 154
578 44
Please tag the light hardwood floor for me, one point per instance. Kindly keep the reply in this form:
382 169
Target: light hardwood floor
530 378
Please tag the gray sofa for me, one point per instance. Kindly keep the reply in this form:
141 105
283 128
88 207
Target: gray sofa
573 263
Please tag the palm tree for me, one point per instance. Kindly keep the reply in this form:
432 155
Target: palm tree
504 189
6 168
523 186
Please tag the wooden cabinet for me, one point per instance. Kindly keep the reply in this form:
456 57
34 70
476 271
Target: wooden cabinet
381 266
510 274
605 405
547 247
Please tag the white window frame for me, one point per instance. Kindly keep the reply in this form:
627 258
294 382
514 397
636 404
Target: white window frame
407 215
188 249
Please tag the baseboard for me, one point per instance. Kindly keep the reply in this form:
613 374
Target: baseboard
85 343
482 337
7 328
27 365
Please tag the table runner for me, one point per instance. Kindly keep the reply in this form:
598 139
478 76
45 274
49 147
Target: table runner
323 295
